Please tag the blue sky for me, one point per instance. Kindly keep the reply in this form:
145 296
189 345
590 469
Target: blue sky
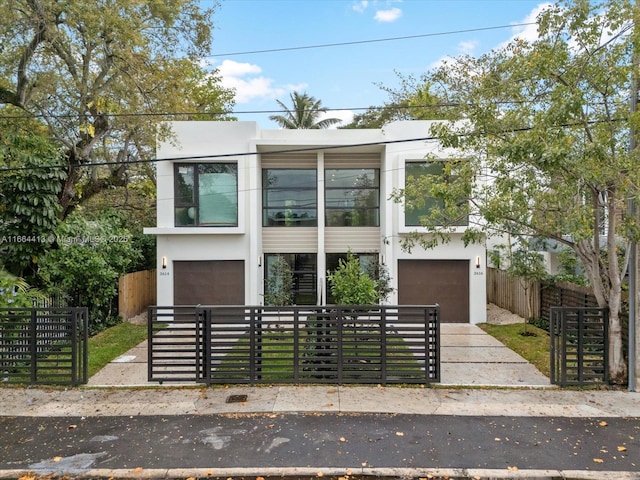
346 77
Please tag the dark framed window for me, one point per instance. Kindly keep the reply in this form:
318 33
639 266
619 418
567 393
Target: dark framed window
206 194
418 208
368 261
304 267
352 197
289 197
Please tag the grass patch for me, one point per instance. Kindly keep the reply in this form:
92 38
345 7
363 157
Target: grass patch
318 357
533 348
113 342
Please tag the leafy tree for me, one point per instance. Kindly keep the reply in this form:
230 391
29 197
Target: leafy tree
100 74
135 207
90 257
279 291
28 199
350 285
549 120
379 273
15 292
412 101
528 267
304 114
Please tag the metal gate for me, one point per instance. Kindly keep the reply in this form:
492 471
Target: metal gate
341 344
579 345
44 346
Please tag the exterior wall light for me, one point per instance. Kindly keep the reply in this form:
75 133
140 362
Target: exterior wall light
164 262
478 261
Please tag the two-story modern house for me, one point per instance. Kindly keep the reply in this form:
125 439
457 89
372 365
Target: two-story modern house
232 197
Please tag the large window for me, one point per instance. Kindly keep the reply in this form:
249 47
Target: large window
206 194
289 198
352 197
303 267
418 177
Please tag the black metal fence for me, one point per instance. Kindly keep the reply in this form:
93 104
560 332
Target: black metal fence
579 345
44 346
337 344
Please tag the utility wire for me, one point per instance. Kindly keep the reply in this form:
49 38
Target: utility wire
377 40
285 150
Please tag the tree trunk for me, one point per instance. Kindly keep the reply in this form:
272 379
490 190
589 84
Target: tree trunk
607 295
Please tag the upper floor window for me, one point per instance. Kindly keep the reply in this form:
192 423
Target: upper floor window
206 194
289 198
422 180
352 197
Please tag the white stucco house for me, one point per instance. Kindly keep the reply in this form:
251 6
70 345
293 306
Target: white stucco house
232 196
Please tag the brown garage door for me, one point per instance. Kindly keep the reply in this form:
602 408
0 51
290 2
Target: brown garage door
445 282
211 282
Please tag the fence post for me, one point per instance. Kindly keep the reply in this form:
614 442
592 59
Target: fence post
33 348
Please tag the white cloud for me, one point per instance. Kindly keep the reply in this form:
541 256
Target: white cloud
345 115
236 69
390 15
528 33
249 85
360 6
467 47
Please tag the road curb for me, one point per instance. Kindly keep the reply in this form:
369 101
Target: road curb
327 473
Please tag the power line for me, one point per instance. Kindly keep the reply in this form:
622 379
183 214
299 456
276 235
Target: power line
286 150
377 40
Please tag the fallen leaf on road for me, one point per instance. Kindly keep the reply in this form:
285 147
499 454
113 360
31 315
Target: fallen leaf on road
72 427
512 469
57 459
400 434
598 460
621 448
603 423
342 439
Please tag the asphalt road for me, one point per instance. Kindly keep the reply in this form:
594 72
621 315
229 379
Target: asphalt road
73 445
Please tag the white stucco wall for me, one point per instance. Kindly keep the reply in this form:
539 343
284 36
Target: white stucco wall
238 141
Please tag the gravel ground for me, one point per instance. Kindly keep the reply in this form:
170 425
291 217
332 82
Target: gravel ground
500 316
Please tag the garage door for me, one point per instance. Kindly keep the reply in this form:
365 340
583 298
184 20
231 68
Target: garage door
426 282
215 282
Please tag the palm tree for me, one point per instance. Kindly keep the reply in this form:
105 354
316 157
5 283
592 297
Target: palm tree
304 114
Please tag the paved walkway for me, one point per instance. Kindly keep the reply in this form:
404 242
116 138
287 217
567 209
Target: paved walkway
470 357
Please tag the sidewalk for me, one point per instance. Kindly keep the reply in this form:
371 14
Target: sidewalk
85 402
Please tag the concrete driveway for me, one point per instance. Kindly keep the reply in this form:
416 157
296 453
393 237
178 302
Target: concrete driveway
470 357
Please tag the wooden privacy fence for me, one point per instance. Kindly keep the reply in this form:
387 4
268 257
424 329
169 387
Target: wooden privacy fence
507 291
136 291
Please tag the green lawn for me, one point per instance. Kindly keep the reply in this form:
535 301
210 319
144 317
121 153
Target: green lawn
359 355
533 348
113 342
